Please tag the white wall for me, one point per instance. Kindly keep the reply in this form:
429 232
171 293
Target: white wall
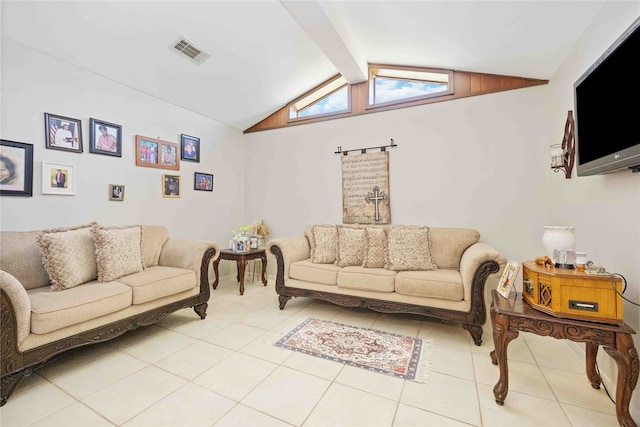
605 209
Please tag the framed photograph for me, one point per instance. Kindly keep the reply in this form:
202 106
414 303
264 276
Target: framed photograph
189 148
16 169
203 181
155 153
508 278
116 192
170 185
58 179
62 133
105 138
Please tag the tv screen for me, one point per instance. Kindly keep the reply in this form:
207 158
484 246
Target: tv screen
607 106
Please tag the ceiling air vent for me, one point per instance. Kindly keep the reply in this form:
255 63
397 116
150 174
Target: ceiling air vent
191 51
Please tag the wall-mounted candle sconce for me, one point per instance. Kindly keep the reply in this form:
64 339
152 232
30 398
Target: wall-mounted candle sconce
563 155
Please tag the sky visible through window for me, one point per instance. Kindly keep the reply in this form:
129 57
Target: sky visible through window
393 89
334 102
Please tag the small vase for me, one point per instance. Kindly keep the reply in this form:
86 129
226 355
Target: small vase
261 242
558 237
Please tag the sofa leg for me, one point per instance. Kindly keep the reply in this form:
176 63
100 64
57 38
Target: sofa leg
476 333
201 310
10 382
283 300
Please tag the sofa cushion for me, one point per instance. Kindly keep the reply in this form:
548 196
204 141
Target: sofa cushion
443 284
351 242
408 248
158 282
325 244
20 256
51 311
448 245
367 279
326 274
68 255
375 248
118 251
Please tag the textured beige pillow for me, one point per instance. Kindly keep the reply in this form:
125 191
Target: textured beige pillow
448 245
118 251
351 242
409 248
325 243
375 248
68 255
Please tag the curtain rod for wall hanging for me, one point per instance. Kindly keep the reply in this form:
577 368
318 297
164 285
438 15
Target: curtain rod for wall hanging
364 150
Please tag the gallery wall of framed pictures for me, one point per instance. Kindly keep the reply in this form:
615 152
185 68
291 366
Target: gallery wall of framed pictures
64 133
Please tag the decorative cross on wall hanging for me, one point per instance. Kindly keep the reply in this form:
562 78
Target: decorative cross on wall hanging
376 196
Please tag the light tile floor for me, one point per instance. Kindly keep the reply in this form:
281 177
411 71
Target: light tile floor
225 371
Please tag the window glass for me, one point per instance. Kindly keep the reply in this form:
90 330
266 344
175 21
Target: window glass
332 103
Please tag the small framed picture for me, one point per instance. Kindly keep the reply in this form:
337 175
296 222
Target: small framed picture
203 181
106 138
190 148
16 169
170 185
116 192
155 153
58 179
508 278
62 133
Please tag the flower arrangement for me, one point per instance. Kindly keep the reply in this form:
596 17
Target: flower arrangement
241 231
259 228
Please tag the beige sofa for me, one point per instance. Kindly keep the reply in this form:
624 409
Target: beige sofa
70 287
437 272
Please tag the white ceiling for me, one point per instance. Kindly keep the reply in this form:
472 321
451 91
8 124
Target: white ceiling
266 53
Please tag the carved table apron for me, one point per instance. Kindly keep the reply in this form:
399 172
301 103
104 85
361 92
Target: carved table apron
241 259
509 316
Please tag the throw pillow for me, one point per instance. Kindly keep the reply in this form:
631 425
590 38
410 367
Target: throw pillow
325 241
68 255
375 248
351 242
409 248
118 251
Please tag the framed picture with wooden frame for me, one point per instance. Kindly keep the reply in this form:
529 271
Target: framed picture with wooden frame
170 185
62 133
105 138
155 153
116 192
58 179
16 169
189 148
508 278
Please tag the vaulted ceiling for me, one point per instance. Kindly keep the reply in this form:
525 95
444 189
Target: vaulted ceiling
266 53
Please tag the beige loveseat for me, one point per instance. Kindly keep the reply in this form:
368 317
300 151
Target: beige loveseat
69 287
437 272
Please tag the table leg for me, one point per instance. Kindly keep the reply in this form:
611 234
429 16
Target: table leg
626 357
502 336
592 374
263 258
242 264
215 269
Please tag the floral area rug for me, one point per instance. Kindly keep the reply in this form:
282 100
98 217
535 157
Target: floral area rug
384 352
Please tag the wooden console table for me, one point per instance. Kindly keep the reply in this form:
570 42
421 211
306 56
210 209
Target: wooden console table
509 316
241 259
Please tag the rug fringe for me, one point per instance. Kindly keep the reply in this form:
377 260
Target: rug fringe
424 364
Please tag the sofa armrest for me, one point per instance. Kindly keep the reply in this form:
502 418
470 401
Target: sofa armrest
13 293
472 261
288 250
185 254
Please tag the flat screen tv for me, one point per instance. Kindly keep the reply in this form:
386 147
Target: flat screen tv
607 109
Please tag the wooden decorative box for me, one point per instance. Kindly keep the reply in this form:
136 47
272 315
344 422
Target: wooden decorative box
572 294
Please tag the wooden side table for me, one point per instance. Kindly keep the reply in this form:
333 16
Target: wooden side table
509 316
241 259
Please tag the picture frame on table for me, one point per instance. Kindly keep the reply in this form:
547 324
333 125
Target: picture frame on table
189 148
171 186
62 133
203 181
156 153
16 168
59 179
116 192
105 138
508 278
